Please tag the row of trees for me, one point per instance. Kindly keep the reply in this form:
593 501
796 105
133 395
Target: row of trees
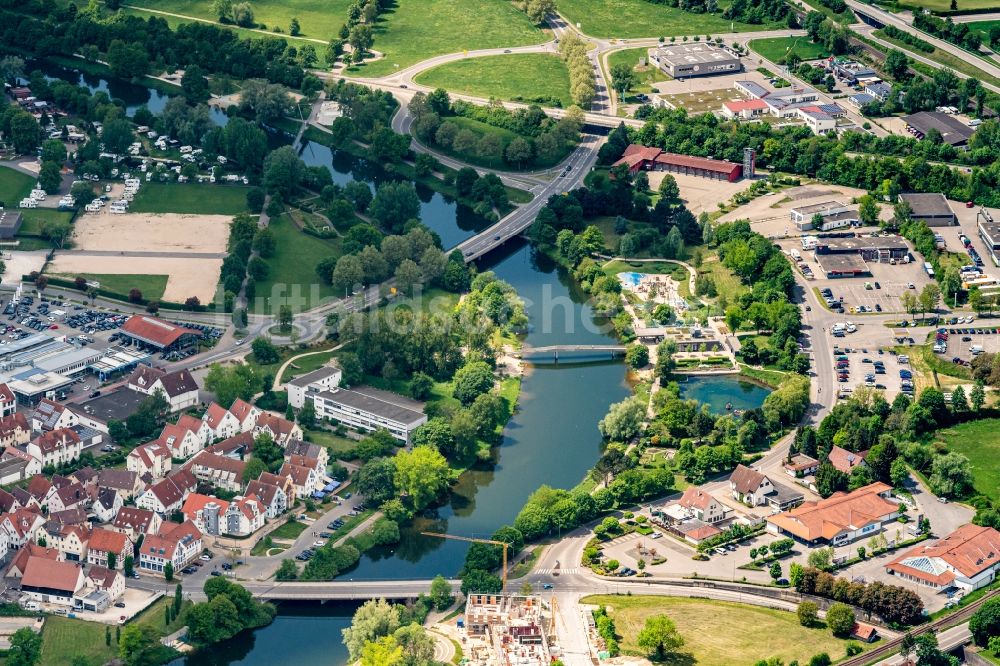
582 81
894 604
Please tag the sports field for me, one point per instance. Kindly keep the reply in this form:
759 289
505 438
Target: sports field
200 199
639 18
779 48
528 77
752 632
415 31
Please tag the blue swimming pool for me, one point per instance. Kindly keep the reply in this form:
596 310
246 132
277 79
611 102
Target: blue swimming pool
631 278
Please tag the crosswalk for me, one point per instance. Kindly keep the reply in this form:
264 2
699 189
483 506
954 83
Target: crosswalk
562 571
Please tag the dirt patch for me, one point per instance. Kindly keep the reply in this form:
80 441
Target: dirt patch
22 263
151 232
700 194
186 276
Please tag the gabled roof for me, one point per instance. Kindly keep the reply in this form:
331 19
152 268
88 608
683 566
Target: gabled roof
145 376
103 577
745 105
845 460
177 383
13 422
132 518
242 442
85 475
216 462
172 435
48 413
827 518
72 494
970 550
298 474
45 573
746 479
276 424
189 422
6 395
214 415
39 486
297 447
265 491
7 501
119 479
53 440
74 516
155 330
32 549
195 502
108 541
107 497
696 498
242 409
149 451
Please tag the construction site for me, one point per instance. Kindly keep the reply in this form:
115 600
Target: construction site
505 630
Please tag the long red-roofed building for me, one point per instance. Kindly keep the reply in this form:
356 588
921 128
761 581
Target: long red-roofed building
645 158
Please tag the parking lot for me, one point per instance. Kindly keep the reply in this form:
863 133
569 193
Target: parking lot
879 293
964 341
876 368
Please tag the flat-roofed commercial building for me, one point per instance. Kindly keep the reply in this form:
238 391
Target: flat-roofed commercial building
843 265
835 214
702 59
881 249
371 409
930 208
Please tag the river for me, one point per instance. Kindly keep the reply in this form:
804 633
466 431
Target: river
131 94
452 221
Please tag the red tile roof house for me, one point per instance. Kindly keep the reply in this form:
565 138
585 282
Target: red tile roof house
20 561
840 518
168 495
107 580
70 540
69 497
222 422
21 525
219 471
126 482
280 429
245 413
272 496
179 388
199 427
103 542
52 582
194 510
178 544
182 442
702 506
56 447
132 522
968 558
153 458
744 109
245 516
8 401
304 479
14 430
845 460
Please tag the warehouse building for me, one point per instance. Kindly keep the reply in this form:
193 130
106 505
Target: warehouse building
952 130
843 265
644 158
931 208
835 214
700 59
880 249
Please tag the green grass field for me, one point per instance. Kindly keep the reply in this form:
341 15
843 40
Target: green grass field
151 286
518 77
294 265
32 219
318 19
647 75
983 28
14 186
306 364
778 48
415 31
979 441
339 446
195 198
638 18
945 5
752 632
289 530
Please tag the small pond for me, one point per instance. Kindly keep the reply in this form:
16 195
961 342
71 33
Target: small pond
719 391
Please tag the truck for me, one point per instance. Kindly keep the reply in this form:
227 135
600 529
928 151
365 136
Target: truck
929 269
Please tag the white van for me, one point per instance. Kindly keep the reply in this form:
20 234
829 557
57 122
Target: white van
976 350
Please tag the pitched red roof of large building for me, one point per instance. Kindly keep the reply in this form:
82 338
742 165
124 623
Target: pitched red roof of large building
46 573
155 330
970 550
107 540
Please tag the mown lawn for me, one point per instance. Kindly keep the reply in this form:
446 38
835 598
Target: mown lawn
415 31
151 286
318 19
32 219
195 198
983 28
14 186
293 266
639 18
979 441
528 77
779 48
646 75
289 530
751 633
301 366
338 445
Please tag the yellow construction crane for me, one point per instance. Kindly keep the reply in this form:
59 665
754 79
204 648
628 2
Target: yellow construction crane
503 587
